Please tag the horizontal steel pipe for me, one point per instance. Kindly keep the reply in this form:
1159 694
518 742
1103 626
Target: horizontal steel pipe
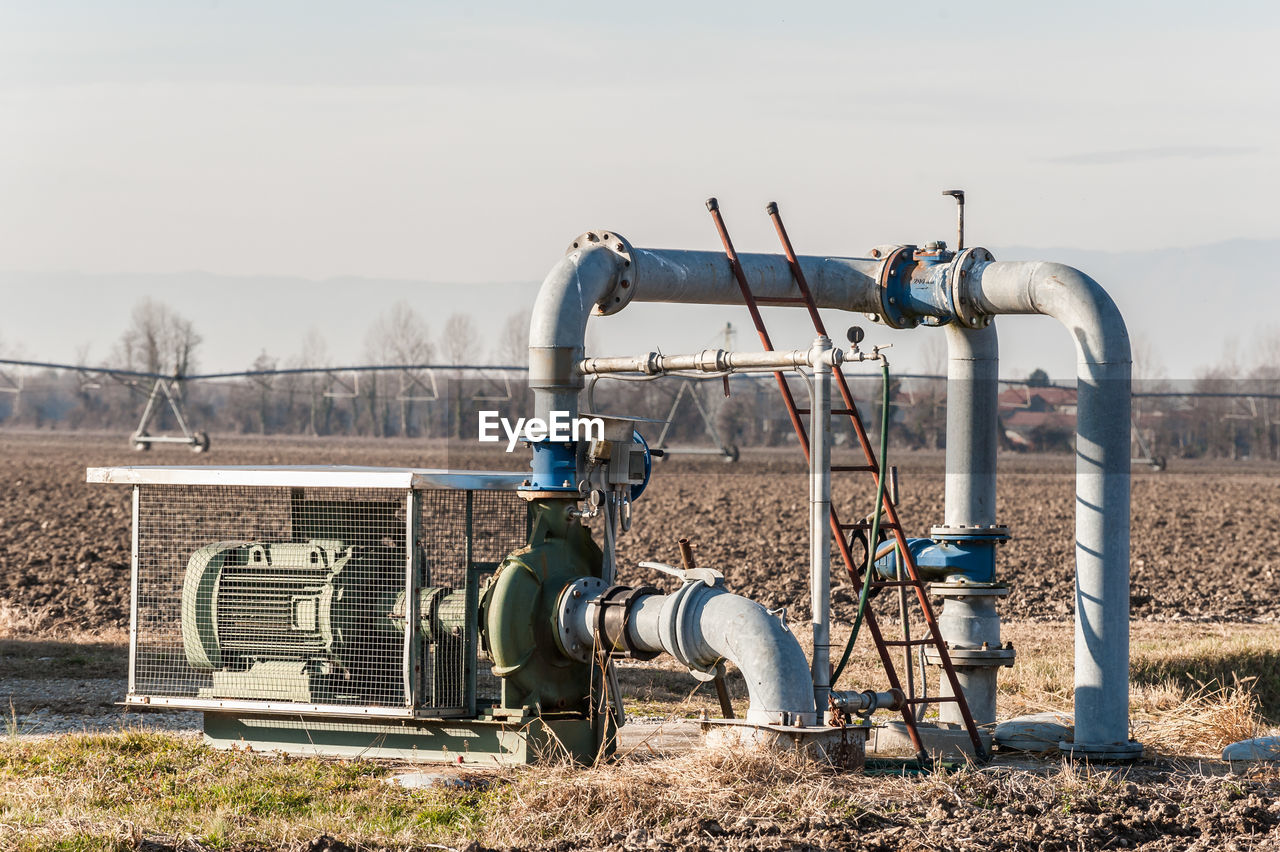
710 361
705 278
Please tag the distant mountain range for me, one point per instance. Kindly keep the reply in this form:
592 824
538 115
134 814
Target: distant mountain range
1187 309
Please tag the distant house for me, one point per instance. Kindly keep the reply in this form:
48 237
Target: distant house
1038 418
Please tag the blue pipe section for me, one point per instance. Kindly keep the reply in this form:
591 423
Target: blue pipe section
918 289
555 466
959 557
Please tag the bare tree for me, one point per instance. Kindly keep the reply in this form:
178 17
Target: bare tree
400 336
1266 380
459 339
315 353
460 343
264 362
512 348
158 340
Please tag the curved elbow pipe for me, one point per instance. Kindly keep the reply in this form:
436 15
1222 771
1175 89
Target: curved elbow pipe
1061 292
576 285
701 626
1102 482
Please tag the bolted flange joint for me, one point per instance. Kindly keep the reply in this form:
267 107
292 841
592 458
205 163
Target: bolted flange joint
624 286
963 306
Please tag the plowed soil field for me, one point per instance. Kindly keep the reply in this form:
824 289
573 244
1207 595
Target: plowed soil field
1205 541
1204 548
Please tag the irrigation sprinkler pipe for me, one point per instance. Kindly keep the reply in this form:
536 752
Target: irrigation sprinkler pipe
1103 382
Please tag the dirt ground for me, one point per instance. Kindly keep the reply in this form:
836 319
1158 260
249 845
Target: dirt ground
1204 548
1205 541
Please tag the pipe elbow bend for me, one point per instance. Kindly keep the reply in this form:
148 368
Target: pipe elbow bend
575 285
757 641
579 282
1086 309
1063 292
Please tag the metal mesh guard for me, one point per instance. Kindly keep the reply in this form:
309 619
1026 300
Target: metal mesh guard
294 599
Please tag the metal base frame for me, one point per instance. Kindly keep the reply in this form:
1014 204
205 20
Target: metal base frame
483 742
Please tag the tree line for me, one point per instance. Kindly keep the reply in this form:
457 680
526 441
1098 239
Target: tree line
445 403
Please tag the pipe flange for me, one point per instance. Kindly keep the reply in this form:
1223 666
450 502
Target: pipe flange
969 532
977 658
963 306
892 314
624 285
574 599
963 588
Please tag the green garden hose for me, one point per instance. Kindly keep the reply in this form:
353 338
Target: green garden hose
875 525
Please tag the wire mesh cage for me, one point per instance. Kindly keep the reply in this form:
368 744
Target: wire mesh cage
322 597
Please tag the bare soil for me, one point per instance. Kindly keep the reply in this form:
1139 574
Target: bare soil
1205 541
1204 548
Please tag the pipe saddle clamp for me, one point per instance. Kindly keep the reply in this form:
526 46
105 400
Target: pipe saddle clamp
974 657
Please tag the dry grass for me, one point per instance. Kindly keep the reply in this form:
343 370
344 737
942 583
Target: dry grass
111 792
680 794
1204 722
1195 687
36 623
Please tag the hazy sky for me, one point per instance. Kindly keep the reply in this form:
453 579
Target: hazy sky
472 142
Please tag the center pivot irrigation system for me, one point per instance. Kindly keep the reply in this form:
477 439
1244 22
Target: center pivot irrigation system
474 617
417 384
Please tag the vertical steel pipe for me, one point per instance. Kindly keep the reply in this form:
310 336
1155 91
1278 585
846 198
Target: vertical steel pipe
973 365
969 619
820 521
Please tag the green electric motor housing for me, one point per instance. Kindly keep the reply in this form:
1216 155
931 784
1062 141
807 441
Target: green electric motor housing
309 621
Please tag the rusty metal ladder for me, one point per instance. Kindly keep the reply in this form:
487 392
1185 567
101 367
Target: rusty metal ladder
841 531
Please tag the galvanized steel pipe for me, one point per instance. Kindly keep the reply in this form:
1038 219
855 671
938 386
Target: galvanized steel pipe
973 426
820 520
605 274
969 620
706 361
1103 364
702 625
